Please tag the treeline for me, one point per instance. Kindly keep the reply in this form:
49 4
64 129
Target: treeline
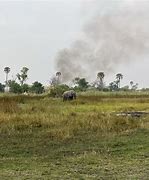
81 84
18 84
56 87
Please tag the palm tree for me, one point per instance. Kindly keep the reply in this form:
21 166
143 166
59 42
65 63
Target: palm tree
131 83
7 70
75 81
119 77
101 76
22 77
58 75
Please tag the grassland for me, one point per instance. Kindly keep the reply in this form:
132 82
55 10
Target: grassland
45 138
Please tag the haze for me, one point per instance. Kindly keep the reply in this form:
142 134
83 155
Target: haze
33 32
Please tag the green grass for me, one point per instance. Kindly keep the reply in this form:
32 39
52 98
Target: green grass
45 138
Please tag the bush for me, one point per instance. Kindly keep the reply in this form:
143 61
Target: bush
15 87
81 84
2 87
57 91
37 88
25 88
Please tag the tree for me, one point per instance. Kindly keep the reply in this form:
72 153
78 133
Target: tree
56 80
135 87
113 86
7 70
57 91
81 83
119 77
37 88
22 77
131 84
2 87
14 87
53 81
100 78
58 75
25 88
76 81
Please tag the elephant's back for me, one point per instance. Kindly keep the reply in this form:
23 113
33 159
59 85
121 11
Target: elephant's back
66 92
69 92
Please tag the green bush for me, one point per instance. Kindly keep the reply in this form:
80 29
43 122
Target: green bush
25 88
57 91
2 87
15 87
37 88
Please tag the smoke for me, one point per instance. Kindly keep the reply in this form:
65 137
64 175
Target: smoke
117 33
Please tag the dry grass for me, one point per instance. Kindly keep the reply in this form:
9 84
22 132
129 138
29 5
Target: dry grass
45 138
65 120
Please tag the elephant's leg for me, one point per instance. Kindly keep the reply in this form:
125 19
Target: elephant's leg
64 98
70 98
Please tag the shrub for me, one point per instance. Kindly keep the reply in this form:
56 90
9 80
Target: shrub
58 90
25 88
37 88
15 87
2 87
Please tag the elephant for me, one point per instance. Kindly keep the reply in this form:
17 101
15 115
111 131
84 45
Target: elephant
69 95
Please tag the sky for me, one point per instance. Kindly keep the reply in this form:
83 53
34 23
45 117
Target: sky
33 32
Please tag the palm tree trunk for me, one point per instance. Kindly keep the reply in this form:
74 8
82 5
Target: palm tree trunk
6 79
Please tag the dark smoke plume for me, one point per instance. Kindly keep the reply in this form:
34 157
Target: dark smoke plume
109 39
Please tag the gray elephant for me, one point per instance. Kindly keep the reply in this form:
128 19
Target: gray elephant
69 95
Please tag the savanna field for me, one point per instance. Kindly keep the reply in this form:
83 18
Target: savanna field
46 138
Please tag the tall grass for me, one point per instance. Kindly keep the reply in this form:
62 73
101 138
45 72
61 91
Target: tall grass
63 120
46 138
117 94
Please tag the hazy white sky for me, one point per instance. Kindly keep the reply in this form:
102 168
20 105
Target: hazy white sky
32 32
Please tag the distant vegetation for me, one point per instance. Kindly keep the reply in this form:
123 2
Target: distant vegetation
56 88
18 84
